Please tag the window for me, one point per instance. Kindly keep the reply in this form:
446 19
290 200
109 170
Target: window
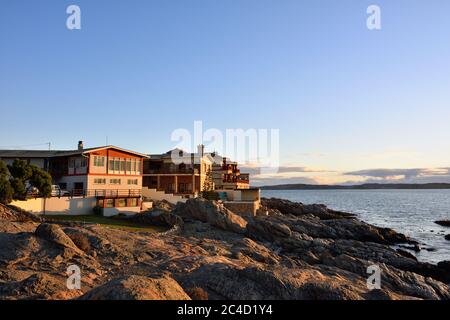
111 165
71 163
133 202
129 166
116 164
109 203
114 181
99 161
83 163
133 165
138 166
133 181
122 165
121 202
99 181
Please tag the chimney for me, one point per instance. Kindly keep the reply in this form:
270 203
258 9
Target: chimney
201 150
80 145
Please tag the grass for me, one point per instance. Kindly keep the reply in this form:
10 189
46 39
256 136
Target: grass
109 222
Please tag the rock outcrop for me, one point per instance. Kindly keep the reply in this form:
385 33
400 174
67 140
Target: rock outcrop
53 233
444 223
16 214
299 209
278 256
138 288
212 212
160 217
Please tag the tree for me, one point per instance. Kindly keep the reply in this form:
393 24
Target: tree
41 180
18 179
6 191
208 184
20 172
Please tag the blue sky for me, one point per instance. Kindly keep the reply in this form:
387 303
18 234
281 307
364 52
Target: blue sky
346 100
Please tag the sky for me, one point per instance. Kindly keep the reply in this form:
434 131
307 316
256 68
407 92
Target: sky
351 105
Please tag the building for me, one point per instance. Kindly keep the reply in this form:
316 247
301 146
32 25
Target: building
227 176
110 174
178 173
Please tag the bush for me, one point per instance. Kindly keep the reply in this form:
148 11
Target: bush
210 195
81 241
98 211
197 293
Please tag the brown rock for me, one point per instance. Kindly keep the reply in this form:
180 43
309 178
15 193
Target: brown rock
54 234
138 288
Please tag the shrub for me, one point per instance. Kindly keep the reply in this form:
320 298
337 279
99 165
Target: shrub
98 211
210 195
81 241
197 293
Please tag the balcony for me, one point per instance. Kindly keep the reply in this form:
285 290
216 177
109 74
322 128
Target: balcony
171 171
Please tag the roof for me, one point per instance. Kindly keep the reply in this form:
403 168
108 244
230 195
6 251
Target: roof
58 153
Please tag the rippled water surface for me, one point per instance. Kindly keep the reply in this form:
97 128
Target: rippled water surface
411 212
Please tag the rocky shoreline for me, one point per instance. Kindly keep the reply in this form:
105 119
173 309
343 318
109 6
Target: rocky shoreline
290 251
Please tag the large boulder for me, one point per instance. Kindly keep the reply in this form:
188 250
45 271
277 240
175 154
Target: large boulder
300 209
138 288
38 286
212 212
54 234
280 283
160 217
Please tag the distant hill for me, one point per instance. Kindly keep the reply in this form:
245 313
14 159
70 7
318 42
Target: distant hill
367 186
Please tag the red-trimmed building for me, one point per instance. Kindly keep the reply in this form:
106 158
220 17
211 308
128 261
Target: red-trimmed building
111 174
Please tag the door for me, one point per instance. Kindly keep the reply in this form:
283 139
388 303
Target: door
78 188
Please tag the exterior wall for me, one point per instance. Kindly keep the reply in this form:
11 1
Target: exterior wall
242 207
58 206
250 194
133 163
70 206
155 195
92 185
71 180
77 165
129 211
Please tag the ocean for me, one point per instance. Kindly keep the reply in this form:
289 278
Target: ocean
411 212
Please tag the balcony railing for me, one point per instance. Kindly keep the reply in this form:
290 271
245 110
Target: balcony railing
171 171
101 193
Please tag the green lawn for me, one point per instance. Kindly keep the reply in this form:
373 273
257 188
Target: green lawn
110 222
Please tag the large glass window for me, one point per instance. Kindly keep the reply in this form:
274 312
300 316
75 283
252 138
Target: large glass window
129 166
99 161
116 164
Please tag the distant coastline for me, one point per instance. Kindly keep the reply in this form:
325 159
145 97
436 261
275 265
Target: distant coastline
366 186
